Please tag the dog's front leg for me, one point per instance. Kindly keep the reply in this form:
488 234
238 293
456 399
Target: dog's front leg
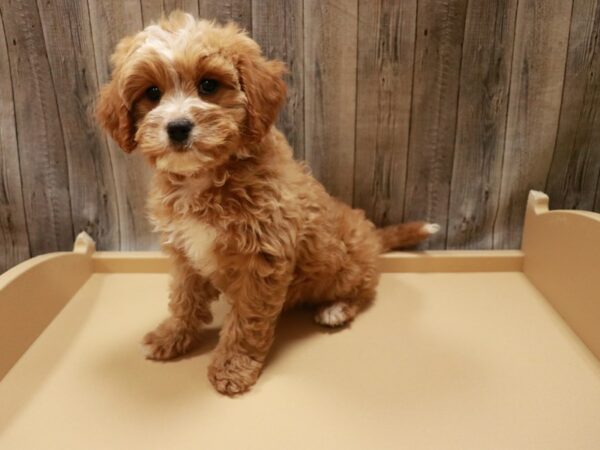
247 333
190 297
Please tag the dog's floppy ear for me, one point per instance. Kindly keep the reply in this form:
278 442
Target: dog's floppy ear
114 116
112 111
265 90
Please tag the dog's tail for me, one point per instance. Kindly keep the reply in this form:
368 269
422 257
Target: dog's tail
405 234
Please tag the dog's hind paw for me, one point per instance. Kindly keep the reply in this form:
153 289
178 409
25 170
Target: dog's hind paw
335 314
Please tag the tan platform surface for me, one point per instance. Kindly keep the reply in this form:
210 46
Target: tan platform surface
441 361
470 350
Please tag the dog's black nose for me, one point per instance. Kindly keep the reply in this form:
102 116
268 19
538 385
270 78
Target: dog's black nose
179 130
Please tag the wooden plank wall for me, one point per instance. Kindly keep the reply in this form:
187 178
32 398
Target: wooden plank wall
445 110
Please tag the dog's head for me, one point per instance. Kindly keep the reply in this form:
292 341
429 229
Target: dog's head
190 94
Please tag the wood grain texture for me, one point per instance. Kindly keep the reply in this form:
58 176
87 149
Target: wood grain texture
152 10
14 241
44 171
575 169
111 21
445 110
386 44
440 29
330 47
541 38
277 27
240 11
68 38
481 122
597 195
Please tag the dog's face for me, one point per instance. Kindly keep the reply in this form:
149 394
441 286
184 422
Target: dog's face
190 94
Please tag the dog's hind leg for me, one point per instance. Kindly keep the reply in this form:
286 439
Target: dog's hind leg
190 299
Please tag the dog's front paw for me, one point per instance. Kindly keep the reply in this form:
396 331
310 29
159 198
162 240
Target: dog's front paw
234 373
168 341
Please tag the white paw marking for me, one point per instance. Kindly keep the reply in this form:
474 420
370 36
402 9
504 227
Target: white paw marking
146 349
431 228
333 315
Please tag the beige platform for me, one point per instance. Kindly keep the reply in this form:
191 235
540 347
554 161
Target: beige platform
462 350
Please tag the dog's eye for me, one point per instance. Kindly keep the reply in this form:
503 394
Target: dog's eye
208 86
153 94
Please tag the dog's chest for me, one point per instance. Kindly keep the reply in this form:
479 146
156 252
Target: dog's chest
195 239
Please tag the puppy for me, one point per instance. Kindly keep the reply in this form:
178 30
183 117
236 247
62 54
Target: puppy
237 215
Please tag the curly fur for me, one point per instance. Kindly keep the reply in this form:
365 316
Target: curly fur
238 216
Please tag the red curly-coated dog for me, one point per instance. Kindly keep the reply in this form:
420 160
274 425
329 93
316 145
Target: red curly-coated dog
237 215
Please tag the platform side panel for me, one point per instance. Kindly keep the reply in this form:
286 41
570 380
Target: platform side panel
31 295
562 260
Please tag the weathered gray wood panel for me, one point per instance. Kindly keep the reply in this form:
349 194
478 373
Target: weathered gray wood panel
446 110
575 167
14 241
440 30
111 21
330 46
277 27
240 11
542 34
481 123
44 170
386 45
68 38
